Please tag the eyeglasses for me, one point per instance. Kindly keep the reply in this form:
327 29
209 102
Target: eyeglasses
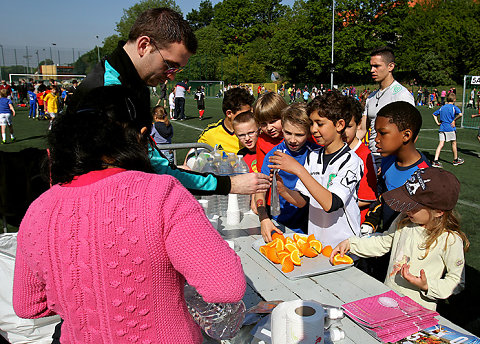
170 70
249 134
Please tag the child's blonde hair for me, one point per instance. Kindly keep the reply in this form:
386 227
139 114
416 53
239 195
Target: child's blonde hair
159 113
268 107
296 114
3 93
448 222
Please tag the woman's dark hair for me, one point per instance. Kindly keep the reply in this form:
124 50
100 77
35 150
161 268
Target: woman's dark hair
104 130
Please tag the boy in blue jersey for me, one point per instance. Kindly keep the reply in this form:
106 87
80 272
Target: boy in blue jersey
32 99
445 117
296 129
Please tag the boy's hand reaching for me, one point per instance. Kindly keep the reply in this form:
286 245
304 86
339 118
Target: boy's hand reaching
341 248
284 162
267 228
420 282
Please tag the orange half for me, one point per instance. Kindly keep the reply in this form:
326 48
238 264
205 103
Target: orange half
337 259
295 257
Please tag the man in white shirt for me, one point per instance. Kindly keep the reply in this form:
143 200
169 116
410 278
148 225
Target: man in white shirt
382 62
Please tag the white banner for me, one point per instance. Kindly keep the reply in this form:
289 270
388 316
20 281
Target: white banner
475 80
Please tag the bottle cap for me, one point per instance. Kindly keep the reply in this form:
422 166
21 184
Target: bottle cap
336 333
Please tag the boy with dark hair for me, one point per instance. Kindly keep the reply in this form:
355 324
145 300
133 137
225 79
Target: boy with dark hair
445 117
397 126
330 175
221 133
246 129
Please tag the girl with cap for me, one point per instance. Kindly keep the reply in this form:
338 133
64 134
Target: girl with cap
427 246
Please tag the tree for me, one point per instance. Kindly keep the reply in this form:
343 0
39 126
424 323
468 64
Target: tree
203 17
131 14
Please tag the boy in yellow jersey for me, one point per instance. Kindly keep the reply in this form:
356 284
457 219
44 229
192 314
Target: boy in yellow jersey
221 133
51 99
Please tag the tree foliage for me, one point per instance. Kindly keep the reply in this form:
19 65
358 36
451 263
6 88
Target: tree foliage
203 17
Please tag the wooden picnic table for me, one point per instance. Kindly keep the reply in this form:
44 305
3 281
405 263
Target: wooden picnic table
265 282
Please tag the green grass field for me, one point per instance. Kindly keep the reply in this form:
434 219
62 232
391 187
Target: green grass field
31 133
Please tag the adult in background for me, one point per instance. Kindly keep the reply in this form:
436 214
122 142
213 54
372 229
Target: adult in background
160 42
180 89
125 232
163 93
382 62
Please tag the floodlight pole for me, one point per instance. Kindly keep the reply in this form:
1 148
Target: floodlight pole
332 69
98 50
3 65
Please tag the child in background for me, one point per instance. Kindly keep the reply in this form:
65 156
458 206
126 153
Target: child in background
477 115
267 111
427 247
32 99
367 188
246 129
51 100
63 98
41 108
445 117
6 113
171 103
200 98
162 130
330 175
296 129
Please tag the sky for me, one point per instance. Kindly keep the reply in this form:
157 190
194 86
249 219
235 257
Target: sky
62 30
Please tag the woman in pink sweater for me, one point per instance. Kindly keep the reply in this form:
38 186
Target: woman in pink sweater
109 246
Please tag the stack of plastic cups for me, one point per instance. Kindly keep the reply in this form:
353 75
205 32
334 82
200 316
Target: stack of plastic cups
224 169
241 167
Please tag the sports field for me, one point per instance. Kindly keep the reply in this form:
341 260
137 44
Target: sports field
31 133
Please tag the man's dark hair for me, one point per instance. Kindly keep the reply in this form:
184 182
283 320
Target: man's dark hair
106 124
330 105
385 52
164 26
404 115
235 98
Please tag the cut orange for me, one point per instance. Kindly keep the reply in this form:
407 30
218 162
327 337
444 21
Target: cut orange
263 250
302 246
291 247
311 237
316 245
310 252
272 255
295 257
337 259
327 251
287 265
296 236
276 235
289 241
272 243
279 246
301 242
282 255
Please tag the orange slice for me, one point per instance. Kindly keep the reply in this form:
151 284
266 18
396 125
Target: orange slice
287 265
311 237
310 252
289 241
296 236
337 259
282 255
295 257
301 242
291 247
272 255
279 246
263 250
276 235
327 251
316 245
272 243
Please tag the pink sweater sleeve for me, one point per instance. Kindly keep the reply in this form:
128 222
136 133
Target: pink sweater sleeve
29 295
197 250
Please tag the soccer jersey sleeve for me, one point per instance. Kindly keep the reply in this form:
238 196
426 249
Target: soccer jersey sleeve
344 183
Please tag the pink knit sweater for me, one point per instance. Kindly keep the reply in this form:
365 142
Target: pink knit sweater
111 258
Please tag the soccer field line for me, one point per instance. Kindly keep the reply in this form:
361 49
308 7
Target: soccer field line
459 142
468 204
189 126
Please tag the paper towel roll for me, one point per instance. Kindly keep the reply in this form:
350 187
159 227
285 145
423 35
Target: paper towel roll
298 321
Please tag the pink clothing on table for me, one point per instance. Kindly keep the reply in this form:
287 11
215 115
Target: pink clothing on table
111 258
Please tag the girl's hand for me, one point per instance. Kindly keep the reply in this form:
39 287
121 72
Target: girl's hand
341 248
284 162
420 282
267 227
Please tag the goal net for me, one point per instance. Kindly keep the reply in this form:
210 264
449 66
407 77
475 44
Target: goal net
213 88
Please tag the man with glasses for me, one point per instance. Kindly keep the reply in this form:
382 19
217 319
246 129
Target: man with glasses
235 101
159 44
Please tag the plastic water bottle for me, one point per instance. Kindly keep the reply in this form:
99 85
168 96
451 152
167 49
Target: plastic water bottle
219 320
224 169
232 158
210 167
241 167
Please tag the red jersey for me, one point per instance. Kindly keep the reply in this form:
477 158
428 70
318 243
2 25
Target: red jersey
367 190
250 158
265 144
40 98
